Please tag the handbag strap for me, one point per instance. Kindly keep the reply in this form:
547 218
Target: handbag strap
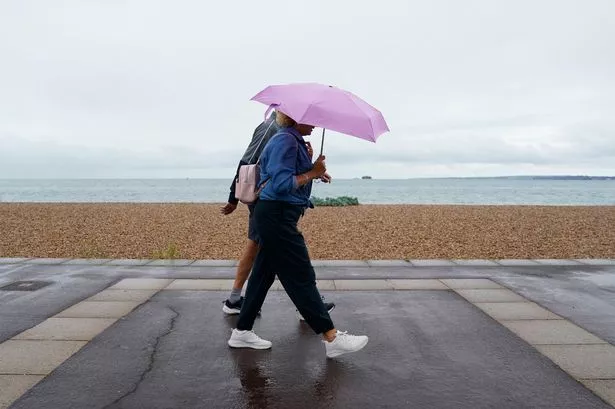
261 142
279 133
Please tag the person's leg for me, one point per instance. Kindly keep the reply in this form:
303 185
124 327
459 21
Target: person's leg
233 303
245 264
293 266
258 285
301 288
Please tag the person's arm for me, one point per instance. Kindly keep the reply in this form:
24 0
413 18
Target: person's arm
282 164
319 170
232 202
231 197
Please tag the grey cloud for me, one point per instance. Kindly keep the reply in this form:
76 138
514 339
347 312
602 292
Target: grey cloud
24 158
154 88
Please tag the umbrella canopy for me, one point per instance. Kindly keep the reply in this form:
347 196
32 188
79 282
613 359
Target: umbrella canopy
326 107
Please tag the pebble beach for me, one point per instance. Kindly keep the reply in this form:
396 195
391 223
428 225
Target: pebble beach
199 231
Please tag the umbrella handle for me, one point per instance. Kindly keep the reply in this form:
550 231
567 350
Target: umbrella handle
322 142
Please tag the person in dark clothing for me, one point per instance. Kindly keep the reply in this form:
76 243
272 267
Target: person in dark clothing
286 180
262 134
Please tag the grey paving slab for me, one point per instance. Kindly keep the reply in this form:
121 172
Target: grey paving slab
88 261
363 285
353 273
585 297
20 311
605 388
128 262
421 343
490 295
13 386
13 260
170 263
583 361
99 309
35 357
215 263
424 284
596 261
123 295
73 268
141 284
432 263
470 283
339 263
322 285
207 284
277 286
517 262
12 323
557 262
67 329
475 262
46 261
325 285
516 311
388 263
551 332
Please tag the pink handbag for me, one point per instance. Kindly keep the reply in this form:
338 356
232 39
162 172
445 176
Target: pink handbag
246 185
246 189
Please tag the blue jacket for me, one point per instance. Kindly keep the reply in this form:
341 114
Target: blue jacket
261 136
285 157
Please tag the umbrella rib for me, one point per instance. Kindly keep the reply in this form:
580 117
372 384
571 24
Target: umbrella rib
371 125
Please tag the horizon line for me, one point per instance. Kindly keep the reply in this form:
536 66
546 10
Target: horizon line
366 177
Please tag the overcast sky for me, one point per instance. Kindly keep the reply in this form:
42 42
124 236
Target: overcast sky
161 88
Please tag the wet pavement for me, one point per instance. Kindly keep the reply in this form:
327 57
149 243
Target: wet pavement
428 348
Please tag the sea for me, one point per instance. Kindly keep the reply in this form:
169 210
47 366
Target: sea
467 191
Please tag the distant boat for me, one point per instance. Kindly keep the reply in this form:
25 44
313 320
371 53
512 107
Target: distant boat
366 177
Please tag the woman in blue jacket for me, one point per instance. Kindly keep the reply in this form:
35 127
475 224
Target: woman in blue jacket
286 182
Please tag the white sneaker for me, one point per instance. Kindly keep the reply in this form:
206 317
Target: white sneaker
247 339
345 343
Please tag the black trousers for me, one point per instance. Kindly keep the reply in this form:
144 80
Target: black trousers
283 252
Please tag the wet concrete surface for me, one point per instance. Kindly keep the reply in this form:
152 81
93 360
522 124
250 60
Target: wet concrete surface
583 294
428 349
21 310
586 298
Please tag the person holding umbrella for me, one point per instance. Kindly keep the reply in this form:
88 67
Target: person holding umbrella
260 138
287 173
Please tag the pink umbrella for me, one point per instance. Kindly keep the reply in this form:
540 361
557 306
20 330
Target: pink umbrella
326 107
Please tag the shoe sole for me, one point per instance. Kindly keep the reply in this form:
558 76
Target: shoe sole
300 317
361 346
230 311
239 344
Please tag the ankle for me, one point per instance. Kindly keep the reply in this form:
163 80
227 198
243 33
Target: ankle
329 336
